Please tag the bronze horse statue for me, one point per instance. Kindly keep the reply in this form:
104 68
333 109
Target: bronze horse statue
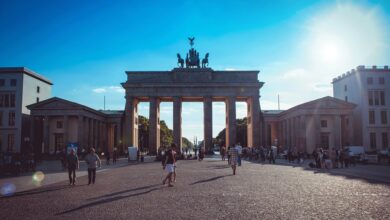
205 61
180 61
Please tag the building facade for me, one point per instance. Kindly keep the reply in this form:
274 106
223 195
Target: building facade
56 123
369 89
322 123
19 87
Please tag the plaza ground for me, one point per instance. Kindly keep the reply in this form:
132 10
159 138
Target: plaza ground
208 190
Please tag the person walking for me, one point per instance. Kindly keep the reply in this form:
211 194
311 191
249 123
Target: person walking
107 154
239 153
72 162
93 161
233 153
114 156
168 165
223 152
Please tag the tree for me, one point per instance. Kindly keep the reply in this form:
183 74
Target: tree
166 135
186 144
241 134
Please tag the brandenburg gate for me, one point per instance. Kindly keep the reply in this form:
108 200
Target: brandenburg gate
192 83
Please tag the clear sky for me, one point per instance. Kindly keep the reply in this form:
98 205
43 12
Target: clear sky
84 47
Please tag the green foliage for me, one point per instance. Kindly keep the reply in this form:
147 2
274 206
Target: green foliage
166 135
186 144
241 134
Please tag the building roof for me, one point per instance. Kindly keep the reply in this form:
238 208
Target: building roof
318 103
272 112
26 71
360 69
71 104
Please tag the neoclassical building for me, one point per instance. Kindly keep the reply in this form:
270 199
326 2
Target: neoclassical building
326 122
56 122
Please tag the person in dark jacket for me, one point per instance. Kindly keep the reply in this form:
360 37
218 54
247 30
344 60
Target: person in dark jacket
72 162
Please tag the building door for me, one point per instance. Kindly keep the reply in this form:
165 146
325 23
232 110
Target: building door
325 140
59 142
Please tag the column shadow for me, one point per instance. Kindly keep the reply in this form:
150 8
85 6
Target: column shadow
210 179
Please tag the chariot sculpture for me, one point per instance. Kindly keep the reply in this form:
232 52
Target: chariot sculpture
192 59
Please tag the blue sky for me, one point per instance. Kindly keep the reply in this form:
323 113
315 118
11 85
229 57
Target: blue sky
84 47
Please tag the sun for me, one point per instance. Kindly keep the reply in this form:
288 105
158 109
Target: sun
329 52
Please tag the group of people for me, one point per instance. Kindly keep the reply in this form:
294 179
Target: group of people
255 154
15 163
72 163
334 158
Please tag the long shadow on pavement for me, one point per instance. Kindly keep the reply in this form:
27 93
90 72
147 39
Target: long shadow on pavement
108 200
39 191
334 172
125 191
210 179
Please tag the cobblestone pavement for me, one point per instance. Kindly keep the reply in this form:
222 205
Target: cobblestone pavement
206 190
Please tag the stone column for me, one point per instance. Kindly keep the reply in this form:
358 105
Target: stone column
303 133
317 130
118 140
94 133
104 136
80 131
253 124
337 131
208 123
230 121
130 129
154 125
66 130
177 135
46 135
32 134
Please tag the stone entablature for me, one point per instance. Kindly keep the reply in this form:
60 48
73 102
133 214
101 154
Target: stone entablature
191 84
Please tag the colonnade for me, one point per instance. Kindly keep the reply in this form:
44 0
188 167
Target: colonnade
130 136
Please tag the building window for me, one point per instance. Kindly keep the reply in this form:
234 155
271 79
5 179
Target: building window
346 98
371 116
38 89
11 142
37 99
11 118
370 98
12 100
381 80
324 123
60 124
376 98
13 82
384 117
345 87
2 82
385 140
325 140
382 97
6 100
372 140
369 80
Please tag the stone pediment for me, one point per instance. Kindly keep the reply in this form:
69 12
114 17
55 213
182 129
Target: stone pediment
326 103
55 103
